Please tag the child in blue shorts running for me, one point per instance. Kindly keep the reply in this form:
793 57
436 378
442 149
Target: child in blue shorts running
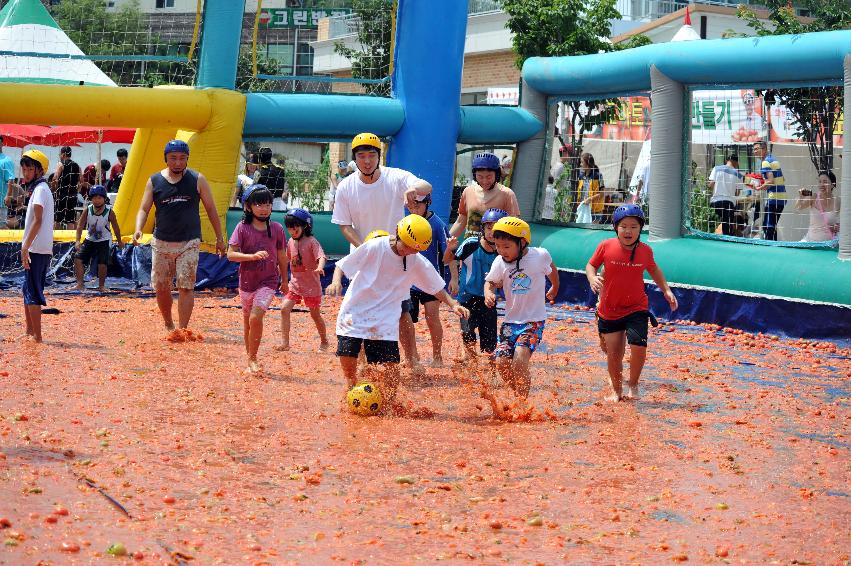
520 270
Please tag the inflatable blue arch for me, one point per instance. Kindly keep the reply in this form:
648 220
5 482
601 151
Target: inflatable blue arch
804 292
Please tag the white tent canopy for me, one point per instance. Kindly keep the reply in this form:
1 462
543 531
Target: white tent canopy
27 28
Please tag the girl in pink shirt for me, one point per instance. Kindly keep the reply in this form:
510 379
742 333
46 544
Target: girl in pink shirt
307 262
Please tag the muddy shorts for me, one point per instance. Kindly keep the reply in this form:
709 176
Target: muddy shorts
309 302
174 260
261 298
525 334
90 249
377 351
634 324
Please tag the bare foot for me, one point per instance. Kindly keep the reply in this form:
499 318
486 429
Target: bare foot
632 392
169 327
437 363
102 289
418 370
254 367
76 288
613 398
282 348
324 347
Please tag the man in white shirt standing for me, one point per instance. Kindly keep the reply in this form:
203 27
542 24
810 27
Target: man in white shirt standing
373 198
724 181
37 243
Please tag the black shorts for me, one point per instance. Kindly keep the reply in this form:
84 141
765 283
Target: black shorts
377 351
483 318
419 297
90 249
635 326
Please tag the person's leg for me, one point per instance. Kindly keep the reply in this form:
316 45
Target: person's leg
432 314
349 365
164 302
185 304
638 354
348 349
316 315
162 273
78 273
773 210
246 326
730 218
382 357
255 334
286 312
408 340
520 371
101 277
28 323
615 346
34 321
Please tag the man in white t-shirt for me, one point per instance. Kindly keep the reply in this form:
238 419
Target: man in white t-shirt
724 181
382 272
37 243
374 198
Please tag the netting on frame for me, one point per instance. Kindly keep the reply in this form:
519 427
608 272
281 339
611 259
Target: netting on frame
754 165
598 157
342 47
91 44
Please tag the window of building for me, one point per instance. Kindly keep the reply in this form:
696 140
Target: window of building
165 4
282 53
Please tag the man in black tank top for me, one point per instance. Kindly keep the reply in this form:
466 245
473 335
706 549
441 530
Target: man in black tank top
177 191
65 186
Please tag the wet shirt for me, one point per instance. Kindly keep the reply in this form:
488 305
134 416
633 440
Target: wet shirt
265 272
97 225
524 288
623 280
475 201
304 255
177 216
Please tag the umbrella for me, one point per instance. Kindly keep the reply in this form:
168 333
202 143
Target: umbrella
74 135
20 135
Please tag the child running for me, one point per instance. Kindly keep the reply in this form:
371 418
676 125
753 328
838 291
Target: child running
97 218
257 245
520 270
382 271
476 255
623 311
307 264
434 254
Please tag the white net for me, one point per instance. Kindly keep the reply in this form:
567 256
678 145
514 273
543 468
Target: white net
756 164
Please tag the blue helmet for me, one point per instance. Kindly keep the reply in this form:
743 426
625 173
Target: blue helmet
625 210
302 214
176 146
487 161
98 191
252 189
493 214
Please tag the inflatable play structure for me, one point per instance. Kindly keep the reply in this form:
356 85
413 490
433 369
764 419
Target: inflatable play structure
803 292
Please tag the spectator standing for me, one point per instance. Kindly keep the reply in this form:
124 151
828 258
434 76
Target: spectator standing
590 189
91 176
116 174
823 207
724 181
66 183
273 177
775 189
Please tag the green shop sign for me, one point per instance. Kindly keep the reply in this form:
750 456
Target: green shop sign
276 18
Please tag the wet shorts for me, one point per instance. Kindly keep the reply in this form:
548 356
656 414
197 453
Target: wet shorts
511 335
634 324
417 298
260 298
377 351
35 278
309 302
172 260
90 249
484 319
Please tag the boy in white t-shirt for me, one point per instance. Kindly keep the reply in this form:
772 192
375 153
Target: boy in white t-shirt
382 272
37 243
520 270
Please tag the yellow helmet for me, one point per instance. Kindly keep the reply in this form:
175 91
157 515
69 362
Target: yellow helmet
366 139
514 226
415 232
375 234
36 155
364 399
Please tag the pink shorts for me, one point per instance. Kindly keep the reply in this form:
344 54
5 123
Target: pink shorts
309 302
261 298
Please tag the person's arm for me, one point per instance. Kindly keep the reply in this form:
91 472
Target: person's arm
144 210
490 294
320 266
453 276
596 281
803 201
33 226
210 206
659 279
283 269
237 256
116 229
80 223
335 288
554 283
420 187
458 228
451 246
456 307
54 184
351 235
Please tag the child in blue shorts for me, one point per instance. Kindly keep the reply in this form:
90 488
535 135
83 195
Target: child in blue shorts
521 271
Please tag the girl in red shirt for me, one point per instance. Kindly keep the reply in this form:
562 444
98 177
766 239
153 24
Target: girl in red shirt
623 311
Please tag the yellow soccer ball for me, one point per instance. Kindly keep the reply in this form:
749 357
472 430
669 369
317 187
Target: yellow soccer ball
364 399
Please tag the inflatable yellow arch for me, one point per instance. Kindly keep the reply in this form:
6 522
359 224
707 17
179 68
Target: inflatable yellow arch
210 120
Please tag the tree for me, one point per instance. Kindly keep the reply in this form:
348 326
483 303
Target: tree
552 28
371 60
814 109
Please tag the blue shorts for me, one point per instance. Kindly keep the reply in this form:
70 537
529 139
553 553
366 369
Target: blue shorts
35 278
525 334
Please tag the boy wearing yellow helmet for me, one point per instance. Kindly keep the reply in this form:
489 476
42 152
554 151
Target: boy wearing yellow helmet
381 273
521 271
374 198
37 243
